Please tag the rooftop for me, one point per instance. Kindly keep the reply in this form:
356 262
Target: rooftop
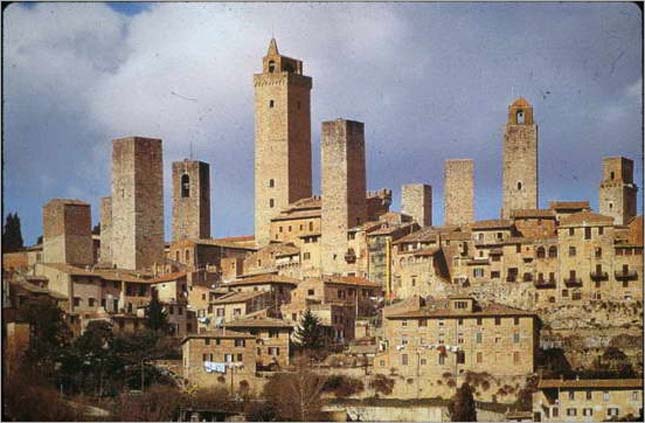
441 308
591 383
238 297
532 214
262 279
218 333
492 224
586 218
568 205
350 280
266 322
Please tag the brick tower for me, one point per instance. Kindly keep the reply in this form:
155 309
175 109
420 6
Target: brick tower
106 232
458 191
617 194
344 204
137 203
191 200
416 201
67 232
282 138
520 159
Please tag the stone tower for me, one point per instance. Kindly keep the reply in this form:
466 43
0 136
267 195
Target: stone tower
458 191
282 138
191 200
344 203
416 201
617 196
520 159
67 232
137 203
106 232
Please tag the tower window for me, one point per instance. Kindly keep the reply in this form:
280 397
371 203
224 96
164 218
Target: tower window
520 117
611 205
298 104
271 104
271 202
611 176
519 186
271 66
185 186
271 183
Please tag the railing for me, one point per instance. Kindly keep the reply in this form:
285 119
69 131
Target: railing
625 275
573 282
599 276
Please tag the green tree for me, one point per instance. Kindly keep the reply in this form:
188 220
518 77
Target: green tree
12 234
309 333
462 405
157 316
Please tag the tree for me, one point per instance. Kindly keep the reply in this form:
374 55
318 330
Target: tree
462 405
309 332
11 234
157 317
96 229
39 240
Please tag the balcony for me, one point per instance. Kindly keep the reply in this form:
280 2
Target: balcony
625 275
573 282
541 283
350 256
598 276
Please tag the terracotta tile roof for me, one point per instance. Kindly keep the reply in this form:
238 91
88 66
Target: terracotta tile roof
533 214
517 240
240 238
69 269
169 277
568 205
122 275
70 201
280 249
492 224
350 280
457 236
586 218
297 214
218 333
389 229
591 383
521 102
266 322
428 233
238 297
426 252
242 245
262 279
441 308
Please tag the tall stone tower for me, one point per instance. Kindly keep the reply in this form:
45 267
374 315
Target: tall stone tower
106 232
191 200
416 201
344 203
137 203
617 196
458 191
67 232
520 159
282 138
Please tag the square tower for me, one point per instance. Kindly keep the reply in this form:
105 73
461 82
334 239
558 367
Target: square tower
106 232
67 232
344 203
617 194
137 203
416 201
191 200
458 191
520 159
282 138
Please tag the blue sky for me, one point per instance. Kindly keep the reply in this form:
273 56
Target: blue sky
431 81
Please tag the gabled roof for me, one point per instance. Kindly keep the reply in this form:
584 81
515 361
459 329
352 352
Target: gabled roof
263 279
238 297
568 205
426 252
586 218
170 277
218 333
492 224
532 214
441 308
266 322
350 280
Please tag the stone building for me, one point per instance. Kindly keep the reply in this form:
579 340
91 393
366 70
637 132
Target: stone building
105 255
272 337
520 159
67 232
282 138
206 254
343 190
587 400
191 200
137 203
458 192
617 194
416 201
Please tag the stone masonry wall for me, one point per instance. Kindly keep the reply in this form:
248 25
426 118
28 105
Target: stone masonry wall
106 231
617 193
191 212
459 192
67 234
416 201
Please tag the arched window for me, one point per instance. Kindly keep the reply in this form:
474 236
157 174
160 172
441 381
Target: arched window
520 117
271 66
187 255
519 186
185 186
553 251
271 103
540 252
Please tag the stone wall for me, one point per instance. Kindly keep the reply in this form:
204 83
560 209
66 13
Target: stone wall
458 191
67 232
106 232
416 201
191 203
617 193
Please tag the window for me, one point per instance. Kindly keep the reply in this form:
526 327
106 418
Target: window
601 230
404 322
598 252
587 411
91 302
423 361
220 312
635 396
311 226
237 312
479 321
461 357
311 292
271 103
271 183
540 252
565 292
572 231
588 395
239 357
103 303
207 341
306 256
440 322
460 321
572 251
519 186
500 235
480 357
498 321
185 186
587 233
228 358
240 342
516 338
572 395
171 310
520 117
555 412
495 274
180 310
274 351
271 202
553 252
478 337
423 322
611 176
516 321
571 412
77 301
576 295
442 359
516 357
478 272
605 396
612 412
498 338
404 359
271 66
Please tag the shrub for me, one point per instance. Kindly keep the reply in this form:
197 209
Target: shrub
343 386
382 384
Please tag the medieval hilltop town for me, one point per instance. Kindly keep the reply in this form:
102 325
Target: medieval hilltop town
407 309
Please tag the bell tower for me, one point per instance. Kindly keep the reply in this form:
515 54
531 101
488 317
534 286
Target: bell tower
282 137
520 159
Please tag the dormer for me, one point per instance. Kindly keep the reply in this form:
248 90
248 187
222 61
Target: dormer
520 112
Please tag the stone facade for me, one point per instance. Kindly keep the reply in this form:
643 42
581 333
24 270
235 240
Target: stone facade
105 255
282 138
416 201
520 159
617 190
191 200
458 191
67 232
137 203
272 340
343 189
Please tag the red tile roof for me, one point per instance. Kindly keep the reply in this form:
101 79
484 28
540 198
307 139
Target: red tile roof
218 333
350 280
441 308
492 224
532 214
591 383
266 322
568 205
586 218
263 279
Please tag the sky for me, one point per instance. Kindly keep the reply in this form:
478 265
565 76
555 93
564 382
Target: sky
431 81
